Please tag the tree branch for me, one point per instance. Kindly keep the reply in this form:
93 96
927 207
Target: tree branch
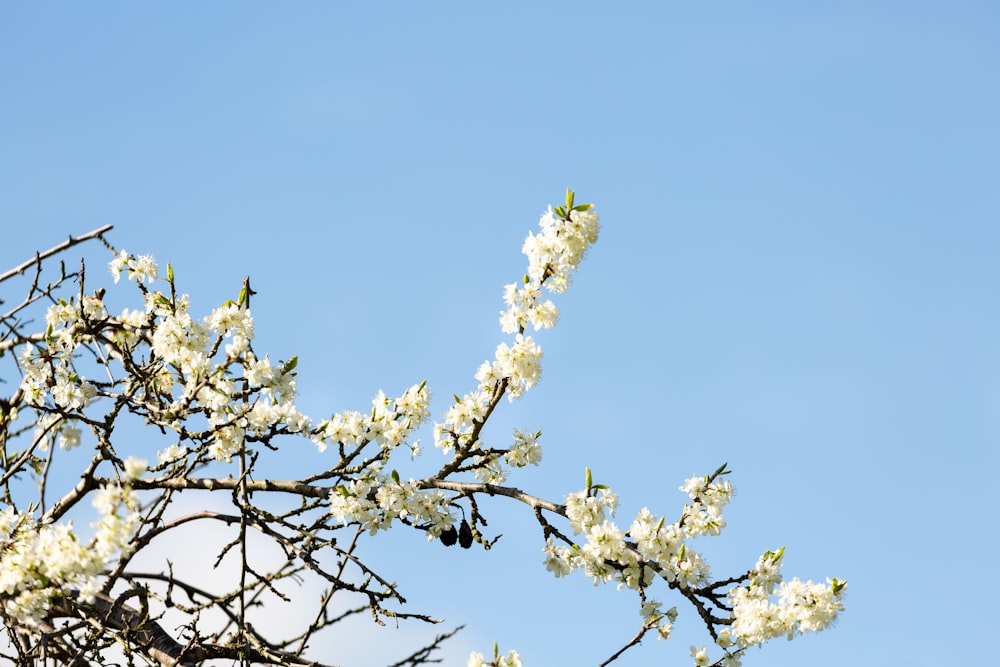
55 250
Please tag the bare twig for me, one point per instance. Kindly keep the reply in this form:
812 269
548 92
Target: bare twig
55 250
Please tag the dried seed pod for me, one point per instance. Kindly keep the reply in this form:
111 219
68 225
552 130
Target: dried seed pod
464 535
449 537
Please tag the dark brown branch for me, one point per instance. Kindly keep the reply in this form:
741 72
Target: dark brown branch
156 643
55 250
632 642
469 488
422 656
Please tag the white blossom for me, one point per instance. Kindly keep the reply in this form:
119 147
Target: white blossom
41 560
142 268
700 655
525 450
134 468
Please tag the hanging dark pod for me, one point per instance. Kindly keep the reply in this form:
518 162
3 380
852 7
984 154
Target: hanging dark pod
449 537
464 535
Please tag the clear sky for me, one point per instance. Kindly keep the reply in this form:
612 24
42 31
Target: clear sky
797 272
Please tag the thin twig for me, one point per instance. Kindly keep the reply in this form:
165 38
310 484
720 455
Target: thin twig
55 250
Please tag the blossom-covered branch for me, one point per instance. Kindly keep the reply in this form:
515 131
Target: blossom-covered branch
219 411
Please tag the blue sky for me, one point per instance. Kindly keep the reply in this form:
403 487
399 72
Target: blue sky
796 273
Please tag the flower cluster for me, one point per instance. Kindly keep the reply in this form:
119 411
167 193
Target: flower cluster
769 607
389 424
649 548
763 609
554 253
709 495
525 450
40 561
524 306
376 500
654 617
49 371
493 467
604 556
515 368
512 659
238 393
140 269
519 365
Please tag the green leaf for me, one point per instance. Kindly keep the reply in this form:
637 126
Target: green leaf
242 299
583 207
590 480
290 365
395 476
37 464
569 199
170 273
